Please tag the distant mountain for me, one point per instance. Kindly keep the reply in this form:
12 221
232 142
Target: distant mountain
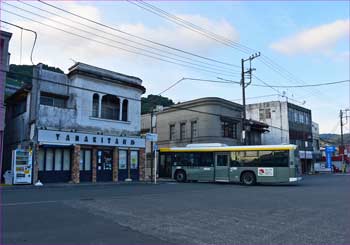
333 139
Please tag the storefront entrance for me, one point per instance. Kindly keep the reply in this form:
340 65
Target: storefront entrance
54 164
128 165
85 174
104 170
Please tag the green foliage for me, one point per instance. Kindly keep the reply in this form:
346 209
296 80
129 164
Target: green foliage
27 71
147 104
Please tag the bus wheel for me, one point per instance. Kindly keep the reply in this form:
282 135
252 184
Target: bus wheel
180 176
248 178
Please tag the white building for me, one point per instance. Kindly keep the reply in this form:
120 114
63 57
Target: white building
83 126
288 124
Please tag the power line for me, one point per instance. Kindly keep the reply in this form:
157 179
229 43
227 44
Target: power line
170 17
113 46
138 37
308 85
265 60
196 79
206 68
120 37
22 28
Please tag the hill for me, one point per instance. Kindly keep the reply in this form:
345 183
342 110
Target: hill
333 139
149 102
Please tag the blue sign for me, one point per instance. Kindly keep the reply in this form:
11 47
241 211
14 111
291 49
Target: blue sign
329 152
330 149
155 147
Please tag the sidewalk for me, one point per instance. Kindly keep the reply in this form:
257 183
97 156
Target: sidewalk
83 184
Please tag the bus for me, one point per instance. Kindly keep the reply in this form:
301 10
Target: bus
221 163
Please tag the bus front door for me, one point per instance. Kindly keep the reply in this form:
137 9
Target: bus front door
222 167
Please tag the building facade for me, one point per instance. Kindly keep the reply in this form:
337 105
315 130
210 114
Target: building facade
288 124
83 126
316 142
4 64
204 120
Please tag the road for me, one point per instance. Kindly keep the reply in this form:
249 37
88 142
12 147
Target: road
315 211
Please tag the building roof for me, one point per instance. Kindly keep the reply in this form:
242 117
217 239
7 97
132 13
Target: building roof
19 94
102 74
204 101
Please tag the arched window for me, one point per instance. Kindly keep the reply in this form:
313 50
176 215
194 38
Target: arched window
125 110
95 105
110 107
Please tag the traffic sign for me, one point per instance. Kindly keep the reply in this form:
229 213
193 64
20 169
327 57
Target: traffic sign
152 137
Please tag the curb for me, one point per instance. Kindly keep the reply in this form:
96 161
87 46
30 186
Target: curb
80 185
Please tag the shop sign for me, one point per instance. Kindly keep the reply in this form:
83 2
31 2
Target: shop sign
61 137
305 154
152 137
265 171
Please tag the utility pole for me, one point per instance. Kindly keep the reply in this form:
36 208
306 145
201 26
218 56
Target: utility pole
244 85
341 129
341 138
151 131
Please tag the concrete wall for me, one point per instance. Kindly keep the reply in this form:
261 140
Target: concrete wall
58 118
54 87
278 123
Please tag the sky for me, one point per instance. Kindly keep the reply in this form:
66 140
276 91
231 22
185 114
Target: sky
308 40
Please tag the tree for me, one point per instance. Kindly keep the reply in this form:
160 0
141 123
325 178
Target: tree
24 73
147 104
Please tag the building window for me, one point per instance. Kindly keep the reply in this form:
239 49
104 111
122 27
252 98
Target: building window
172 131
194 129
125 111
54 159
265 114
229 129
301 117
85 160
296 116
49 160
66 159
95 105
123 159
58 159
134 159
182 131
110 107
52 101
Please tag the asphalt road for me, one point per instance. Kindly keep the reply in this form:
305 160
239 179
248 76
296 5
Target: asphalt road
316 211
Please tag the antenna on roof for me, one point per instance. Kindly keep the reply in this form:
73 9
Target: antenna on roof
73 60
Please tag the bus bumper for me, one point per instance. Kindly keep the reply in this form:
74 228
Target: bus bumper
295 179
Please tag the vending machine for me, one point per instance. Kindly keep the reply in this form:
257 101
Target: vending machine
22 166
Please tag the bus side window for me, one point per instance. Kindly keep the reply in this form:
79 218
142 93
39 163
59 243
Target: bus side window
205 159
266 158
177 159
281 158
234 159
249 158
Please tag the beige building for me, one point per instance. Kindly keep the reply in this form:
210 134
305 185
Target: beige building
204 120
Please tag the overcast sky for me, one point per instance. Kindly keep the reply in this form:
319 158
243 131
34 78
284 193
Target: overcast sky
309 39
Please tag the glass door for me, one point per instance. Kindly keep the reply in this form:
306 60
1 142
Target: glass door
222 167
